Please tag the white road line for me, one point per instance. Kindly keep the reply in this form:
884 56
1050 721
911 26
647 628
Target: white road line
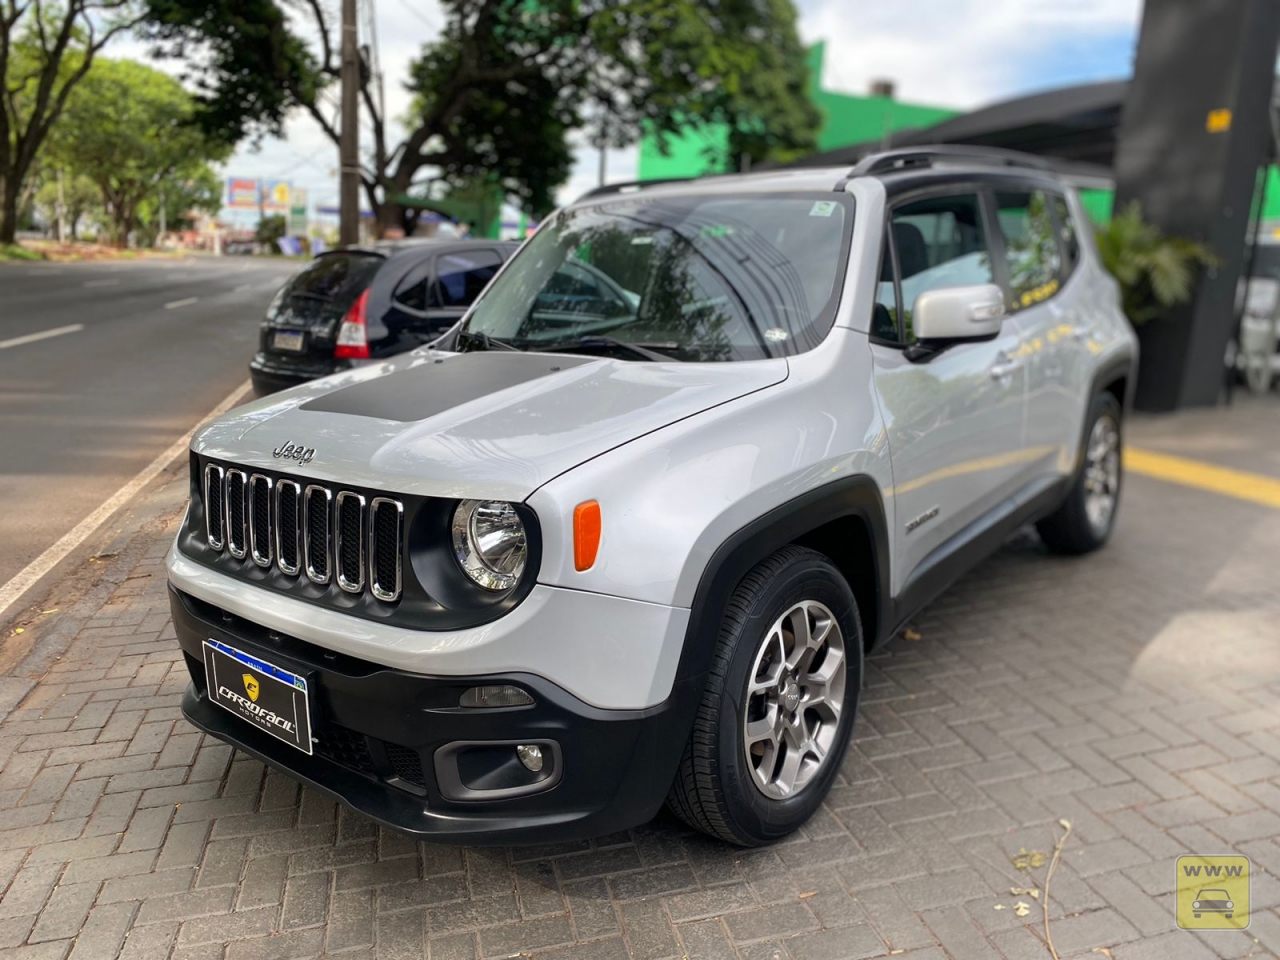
37 568
102 283
174 304
243 287
42 335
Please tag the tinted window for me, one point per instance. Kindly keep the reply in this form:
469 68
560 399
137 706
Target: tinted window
1030 247
884 319
463 275
335 279
940 242
1067 234
413 290
709 278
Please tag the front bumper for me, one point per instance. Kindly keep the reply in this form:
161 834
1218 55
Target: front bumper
387 742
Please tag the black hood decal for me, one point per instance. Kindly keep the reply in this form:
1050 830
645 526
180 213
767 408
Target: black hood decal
422 391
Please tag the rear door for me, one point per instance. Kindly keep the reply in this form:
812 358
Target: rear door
302 322
954 419
1040 252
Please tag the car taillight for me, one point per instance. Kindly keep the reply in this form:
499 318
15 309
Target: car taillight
353 335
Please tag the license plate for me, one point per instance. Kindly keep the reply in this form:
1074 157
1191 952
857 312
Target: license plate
260 693
288 340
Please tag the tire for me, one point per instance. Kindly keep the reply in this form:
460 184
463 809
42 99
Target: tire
719 787
1078 526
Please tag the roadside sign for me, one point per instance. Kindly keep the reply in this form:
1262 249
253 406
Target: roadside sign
298 219
242 193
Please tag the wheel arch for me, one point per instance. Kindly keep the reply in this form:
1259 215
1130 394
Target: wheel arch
845 520
1118 376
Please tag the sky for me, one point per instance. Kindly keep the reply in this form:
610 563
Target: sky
953 53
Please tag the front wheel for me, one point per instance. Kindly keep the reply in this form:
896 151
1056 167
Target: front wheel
1084 521
779 704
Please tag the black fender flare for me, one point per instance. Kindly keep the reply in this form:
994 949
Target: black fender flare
856 496
1116 368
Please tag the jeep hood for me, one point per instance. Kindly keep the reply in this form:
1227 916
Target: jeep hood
486 425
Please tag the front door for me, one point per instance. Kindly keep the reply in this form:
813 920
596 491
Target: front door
954 421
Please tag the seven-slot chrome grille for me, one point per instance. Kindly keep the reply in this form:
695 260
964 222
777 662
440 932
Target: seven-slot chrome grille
306 531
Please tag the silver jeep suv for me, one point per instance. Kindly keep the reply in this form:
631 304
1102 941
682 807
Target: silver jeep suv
626 533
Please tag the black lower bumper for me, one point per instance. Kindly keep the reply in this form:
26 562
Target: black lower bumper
398 748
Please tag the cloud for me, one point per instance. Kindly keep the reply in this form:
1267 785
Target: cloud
963 53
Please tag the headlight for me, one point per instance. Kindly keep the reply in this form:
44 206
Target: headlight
490 543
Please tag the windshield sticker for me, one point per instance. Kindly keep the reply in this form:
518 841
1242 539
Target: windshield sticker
823 208
776 335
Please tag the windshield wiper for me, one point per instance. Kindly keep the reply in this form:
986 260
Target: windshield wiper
485 341
644 351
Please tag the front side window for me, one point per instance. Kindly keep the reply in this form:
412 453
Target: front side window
1030 247
698 278
940 242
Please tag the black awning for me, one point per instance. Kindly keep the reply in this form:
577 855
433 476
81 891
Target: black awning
1072 123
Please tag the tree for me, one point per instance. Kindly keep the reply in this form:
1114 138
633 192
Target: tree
496 95
130 129
270 231
81 199
46 50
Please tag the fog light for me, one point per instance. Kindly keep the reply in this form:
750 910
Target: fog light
531 756
504 696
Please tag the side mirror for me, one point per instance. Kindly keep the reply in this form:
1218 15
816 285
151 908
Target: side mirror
951 314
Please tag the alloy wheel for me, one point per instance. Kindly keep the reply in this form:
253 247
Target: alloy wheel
1102 473
794 698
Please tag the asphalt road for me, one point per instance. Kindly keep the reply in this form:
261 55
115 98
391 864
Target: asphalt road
160 343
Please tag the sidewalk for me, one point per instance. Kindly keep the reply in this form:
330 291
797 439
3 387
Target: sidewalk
1135 693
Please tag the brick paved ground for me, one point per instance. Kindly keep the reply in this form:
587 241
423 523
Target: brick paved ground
1135 693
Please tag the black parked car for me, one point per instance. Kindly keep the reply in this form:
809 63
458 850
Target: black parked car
356 304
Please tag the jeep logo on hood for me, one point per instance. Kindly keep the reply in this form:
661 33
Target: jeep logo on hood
294 451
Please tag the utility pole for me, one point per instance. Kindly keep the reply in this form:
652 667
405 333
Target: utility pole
62 211
349 147
164 220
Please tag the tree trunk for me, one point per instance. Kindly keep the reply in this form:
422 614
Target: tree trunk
9 211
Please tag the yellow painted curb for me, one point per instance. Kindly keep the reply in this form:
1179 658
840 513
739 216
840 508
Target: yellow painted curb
1240 484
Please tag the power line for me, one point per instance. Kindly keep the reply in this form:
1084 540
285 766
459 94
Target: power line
408 5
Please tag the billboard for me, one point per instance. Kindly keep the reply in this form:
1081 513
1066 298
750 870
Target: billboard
251 193
277 196
242 193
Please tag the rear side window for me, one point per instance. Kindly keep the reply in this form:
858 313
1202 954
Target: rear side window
940 242
463 275
335 280
1067 234
414 291
1030 247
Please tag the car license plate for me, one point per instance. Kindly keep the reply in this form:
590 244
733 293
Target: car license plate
291 340
264 695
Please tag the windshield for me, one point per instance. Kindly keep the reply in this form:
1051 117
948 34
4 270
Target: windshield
701 278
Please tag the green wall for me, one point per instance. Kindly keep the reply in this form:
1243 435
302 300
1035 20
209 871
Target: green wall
845 119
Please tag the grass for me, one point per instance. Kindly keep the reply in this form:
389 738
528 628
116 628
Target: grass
16 252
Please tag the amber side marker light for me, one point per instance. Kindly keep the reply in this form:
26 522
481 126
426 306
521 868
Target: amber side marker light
586 534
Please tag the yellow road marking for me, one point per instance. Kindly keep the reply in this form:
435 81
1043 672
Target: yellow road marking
1240 484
